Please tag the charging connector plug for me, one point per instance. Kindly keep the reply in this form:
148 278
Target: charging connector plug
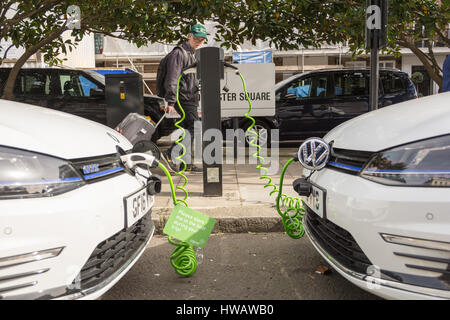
130 161
154 184
302 187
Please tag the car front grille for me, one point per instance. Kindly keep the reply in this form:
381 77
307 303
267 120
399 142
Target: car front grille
337 242
98 168
342 247
348 161
430 263
112 253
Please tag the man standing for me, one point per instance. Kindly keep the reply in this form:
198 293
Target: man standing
188 92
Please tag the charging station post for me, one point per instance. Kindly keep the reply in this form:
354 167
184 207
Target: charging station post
210 70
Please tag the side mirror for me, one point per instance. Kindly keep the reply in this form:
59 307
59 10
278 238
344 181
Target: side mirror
96 93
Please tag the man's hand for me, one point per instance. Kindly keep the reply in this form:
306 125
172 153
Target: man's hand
170 109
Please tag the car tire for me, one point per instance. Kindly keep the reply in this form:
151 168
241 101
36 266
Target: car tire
263 130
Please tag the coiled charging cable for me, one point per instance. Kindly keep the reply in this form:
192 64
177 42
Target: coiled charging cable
289 208
183 259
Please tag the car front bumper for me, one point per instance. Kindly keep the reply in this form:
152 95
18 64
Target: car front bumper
88 225
359 211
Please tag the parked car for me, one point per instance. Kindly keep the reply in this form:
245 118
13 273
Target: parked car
69 90
379 212
70 224
311 104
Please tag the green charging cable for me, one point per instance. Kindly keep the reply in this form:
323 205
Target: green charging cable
183 152
294 210
289 208
183 258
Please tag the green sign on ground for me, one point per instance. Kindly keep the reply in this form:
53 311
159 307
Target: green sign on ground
189 226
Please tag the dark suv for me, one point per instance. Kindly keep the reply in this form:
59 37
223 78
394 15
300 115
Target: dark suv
313 103
79 92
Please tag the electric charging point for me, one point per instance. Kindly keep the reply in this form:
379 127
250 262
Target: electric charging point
210 70
124 95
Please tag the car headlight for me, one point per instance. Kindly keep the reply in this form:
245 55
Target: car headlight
424 163
25 174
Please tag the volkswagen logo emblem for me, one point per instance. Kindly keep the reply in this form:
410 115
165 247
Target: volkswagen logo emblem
313 154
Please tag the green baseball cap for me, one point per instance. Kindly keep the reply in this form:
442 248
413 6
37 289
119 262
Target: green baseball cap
199 30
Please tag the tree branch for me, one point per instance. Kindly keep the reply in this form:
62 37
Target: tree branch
8 92
16 18
426 61
109 34
5 9
442 36
432 58
6 52
9 23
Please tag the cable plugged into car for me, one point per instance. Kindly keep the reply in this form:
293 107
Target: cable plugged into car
313 154
291 210
302 186
131 161
183 259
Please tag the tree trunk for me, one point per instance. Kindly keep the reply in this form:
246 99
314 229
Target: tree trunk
8 91
427 62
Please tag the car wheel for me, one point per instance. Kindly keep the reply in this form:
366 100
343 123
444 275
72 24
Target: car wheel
262 128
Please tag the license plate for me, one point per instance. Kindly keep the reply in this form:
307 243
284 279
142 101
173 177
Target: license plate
136 206
316 201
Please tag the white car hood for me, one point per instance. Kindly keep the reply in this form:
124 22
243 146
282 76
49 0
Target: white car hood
394 125
55 133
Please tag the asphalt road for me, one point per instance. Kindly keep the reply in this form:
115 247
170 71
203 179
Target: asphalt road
237 267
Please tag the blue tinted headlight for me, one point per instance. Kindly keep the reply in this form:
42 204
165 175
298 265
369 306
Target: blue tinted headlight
25 174
424 163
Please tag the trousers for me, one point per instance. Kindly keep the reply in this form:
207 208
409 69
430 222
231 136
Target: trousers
191 115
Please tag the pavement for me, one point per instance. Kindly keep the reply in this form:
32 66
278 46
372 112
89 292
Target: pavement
245 205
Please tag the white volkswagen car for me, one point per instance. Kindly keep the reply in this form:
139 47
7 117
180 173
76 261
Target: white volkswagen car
72 223
379 212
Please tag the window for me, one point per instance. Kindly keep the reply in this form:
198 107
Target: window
311 87
356 64
98 41
351 84
392 83
3 77
387 64
87 85
34 83
70 85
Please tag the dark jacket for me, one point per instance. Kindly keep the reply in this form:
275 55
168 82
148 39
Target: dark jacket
446 72
188 94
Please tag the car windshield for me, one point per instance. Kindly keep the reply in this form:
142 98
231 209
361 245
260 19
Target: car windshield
97 76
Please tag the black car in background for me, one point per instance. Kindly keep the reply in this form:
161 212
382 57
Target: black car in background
79 92
313 103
